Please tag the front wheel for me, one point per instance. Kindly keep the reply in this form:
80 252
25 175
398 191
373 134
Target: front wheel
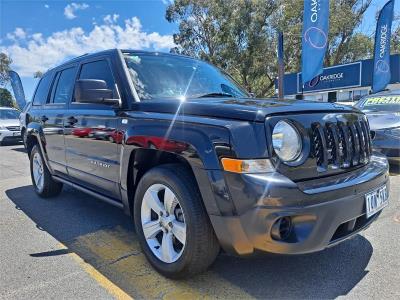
172 224
45 186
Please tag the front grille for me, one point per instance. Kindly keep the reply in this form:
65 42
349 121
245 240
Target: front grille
340 145
13 128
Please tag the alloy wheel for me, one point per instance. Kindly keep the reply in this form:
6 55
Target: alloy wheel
163 223
38 172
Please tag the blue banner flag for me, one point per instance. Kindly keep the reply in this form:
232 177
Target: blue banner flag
381 76
314 37
16 85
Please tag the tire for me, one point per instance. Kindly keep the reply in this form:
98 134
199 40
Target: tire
45 187
201 245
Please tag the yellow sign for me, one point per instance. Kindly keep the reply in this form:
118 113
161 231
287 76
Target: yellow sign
383 100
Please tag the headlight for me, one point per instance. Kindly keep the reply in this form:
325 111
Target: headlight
286 141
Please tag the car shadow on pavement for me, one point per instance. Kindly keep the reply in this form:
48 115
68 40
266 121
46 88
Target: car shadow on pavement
19 148
322 275
12 143
104 237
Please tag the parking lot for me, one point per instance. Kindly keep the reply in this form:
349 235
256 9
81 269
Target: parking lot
75 247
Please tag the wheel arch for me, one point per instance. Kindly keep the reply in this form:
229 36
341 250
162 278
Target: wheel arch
142 159
35 136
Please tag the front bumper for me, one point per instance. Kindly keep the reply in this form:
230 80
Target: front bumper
7 135
323 212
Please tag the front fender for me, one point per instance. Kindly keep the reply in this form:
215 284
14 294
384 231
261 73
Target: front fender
193 143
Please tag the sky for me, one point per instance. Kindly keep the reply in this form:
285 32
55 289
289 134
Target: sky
39 35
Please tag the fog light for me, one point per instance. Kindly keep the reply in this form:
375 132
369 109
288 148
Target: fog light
281 229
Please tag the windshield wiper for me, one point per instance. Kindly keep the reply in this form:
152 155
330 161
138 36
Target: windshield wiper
215 95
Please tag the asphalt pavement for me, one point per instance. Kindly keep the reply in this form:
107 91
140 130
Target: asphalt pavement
76 247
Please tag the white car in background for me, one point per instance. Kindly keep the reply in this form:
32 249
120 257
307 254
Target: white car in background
9 125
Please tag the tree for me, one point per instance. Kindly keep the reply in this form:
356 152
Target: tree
345 18
345 42
38 74
6 98
240 35
395 43
395 46
5 63
233 35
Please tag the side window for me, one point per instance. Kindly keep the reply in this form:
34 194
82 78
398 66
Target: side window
98 70
65 85
42 90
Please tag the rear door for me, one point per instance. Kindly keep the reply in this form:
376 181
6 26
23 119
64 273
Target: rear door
90 131
52 116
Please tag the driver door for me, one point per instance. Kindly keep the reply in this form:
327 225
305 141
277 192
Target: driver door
91 151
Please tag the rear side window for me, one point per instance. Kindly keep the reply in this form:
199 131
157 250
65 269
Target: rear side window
98 70
64 85
42 90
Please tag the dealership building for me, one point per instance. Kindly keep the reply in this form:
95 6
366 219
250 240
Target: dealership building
342 83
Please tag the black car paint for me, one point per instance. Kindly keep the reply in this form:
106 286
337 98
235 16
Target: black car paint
205 130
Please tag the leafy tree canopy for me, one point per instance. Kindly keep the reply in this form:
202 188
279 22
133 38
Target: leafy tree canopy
6 98
38 74
5 63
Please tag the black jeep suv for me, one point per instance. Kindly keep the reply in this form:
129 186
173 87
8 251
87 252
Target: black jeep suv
200 164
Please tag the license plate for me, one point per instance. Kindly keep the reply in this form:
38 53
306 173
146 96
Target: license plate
16 134
376 200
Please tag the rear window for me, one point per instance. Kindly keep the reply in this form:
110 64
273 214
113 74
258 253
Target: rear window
42 90
65 85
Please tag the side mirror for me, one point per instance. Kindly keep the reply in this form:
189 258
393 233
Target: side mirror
93 91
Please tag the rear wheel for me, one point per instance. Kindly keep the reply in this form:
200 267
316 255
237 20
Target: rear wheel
172 224
45 186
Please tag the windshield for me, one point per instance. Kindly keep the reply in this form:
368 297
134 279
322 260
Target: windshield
8 114
169 76
380 103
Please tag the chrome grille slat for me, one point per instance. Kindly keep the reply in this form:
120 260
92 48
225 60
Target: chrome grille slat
363 154
364 128
346 145
356 145
337 161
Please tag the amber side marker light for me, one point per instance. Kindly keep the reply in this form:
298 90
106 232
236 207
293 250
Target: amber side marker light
247 165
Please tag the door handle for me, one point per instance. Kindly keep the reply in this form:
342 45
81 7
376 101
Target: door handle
44 119
72 120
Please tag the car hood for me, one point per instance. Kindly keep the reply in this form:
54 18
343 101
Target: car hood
242 109
9 122
382 120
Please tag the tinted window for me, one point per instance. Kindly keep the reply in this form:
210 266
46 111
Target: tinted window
65 84
42 90
98 70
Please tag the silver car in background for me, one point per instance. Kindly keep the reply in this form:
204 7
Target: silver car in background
9 125
383 113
